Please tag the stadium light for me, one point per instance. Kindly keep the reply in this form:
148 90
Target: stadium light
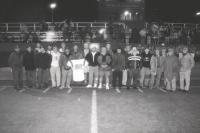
198 13
126 13
52 7
102 31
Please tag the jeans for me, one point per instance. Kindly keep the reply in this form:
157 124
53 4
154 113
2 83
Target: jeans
158 77
117 76
66 78
185 76
31 78
133 74
43 77
103 73
93 75
17 78
55 76
171 85
145 72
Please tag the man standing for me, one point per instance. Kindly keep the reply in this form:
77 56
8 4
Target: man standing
118 65
43 63
133 65
154 65
146 65
55 68
187 63
171 69
91 58
29 64
16 64
160 67
104 61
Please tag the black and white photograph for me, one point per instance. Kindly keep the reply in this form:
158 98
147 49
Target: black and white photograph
99 66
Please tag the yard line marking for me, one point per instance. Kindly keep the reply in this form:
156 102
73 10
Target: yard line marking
94 127
2 89
140 90
162 90
46 90
22 90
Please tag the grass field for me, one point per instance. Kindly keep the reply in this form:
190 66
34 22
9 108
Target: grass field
98 111
55 111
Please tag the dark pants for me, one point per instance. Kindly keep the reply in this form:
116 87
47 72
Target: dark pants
133 74
43 77
17 78
117 78
31 78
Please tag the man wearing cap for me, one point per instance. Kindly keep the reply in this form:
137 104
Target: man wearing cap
187 63
15 61
133 65
55 68
92 59
146 66
29 65
171 69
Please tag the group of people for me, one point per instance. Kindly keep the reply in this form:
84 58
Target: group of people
101 67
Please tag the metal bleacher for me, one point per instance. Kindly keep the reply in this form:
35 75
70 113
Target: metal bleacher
15 32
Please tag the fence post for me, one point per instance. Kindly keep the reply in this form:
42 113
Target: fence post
34 27
6 26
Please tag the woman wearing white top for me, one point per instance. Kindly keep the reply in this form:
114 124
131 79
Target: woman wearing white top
55 67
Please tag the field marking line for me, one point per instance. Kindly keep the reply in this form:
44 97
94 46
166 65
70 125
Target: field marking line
2 89
162 90
46 90
94 124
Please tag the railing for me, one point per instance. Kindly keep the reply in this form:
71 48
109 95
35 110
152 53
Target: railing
180 26
36 26
18 32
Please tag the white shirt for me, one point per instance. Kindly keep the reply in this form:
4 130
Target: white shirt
55 59
93 55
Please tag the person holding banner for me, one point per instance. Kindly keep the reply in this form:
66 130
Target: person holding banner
66 70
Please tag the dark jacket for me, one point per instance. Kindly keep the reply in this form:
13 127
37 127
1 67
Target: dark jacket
15 60
63 61
104 62
89 58
118 62
146 60
29 61
43 60
171 67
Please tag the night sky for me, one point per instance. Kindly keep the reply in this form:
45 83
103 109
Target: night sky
87 10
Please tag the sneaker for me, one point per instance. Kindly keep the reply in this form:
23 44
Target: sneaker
89 86
100 86
118 90
69 90
95 85
107 87
62 87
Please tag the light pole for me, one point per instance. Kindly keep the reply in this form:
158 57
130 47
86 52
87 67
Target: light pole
52 7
